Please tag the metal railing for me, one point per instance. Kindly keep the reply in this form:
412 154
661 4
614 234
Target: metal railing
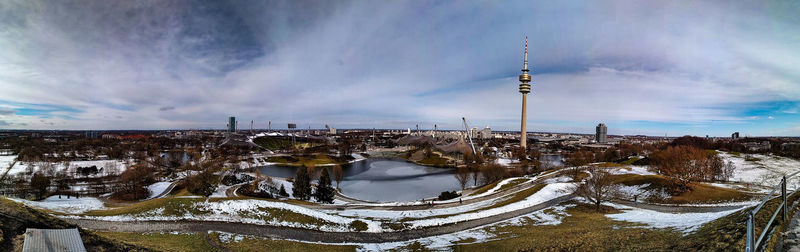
755 245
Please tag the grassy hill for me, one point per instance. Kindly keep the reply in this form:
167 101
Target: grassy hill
15 218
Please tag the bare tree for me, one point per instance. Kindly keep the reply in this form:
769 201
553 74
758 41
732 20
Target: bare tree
578 159
39 184
338 174
462 175
492 172
599 187
313 173
112 168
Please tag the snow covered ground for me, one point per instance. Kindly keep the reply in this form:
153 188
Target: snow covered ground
358 157
6 161
157 188
549 216
551 191
638 193
246 211
632 169
504 161
397 215
766 172
560 179
685 222
117 166
286 185
71 206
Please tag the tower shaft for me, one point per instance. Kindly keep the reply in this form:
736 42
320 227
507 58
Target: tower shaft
524 88
523 141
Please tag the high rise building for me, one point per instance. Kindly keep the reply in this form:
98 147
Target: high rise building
231 124
524 88
486 133
735 135
601 131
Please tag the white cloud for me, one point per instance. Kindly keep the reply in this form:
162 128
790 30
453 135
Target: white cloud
395 64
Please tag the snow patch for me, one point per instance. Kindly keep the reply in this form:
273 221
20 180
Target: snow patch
157 188
549 192
71 206
686 222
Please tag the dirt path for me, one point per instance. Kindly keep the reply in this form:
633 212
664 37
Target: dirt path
214 244
8 170
167 191
304 234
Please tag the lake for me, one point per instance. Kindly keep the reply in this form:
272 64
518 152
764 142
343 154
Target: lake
381 179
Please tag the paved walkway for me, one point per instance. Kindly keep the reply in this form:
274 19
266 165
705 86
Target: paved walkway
790 240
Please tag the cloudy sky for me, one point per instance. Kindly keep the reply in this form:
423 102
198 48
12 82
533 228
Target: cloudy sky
641 67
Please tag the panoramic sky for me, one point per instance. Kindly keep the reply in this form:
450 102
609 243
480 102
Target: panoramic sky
641 67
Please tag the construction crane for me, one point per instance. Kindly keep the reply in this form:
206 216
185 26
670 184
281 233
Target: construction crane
469 136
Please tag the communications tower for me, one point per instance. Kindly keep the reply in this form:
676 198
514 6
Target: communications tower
524 88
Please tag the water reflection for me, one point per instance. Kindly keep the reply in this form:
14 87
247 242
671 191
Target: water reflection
378 179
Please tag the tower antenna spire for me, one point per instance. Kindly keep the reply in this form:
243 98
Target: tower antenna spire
526 54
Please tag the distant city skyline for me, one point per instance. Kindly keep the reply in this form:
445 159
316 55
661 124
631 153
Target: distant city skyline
652 68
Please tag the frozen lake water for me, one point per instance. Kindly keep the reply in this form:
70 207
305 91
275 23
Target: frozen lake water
379 179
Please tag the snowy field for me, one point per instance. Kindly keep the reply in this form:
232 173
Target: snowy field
397 215
245 211
632 169
685 222
551 191
549 216
157 188
766 172
5 161
70 206
117 166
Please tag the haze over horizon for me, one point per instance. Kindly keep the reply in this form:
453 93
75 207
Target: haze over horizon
654 68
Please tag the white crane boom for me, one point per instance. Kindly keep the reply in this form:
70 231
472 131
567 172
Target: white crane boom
469 136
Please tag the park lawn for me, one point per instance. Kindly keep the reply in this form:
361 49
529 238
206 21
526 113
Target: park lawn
162 241
178 207
512 183
248 243
608 164
516 197
508 200
630 161
582 229
728 233
435 161
172 206
485 188
700 194
273 143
